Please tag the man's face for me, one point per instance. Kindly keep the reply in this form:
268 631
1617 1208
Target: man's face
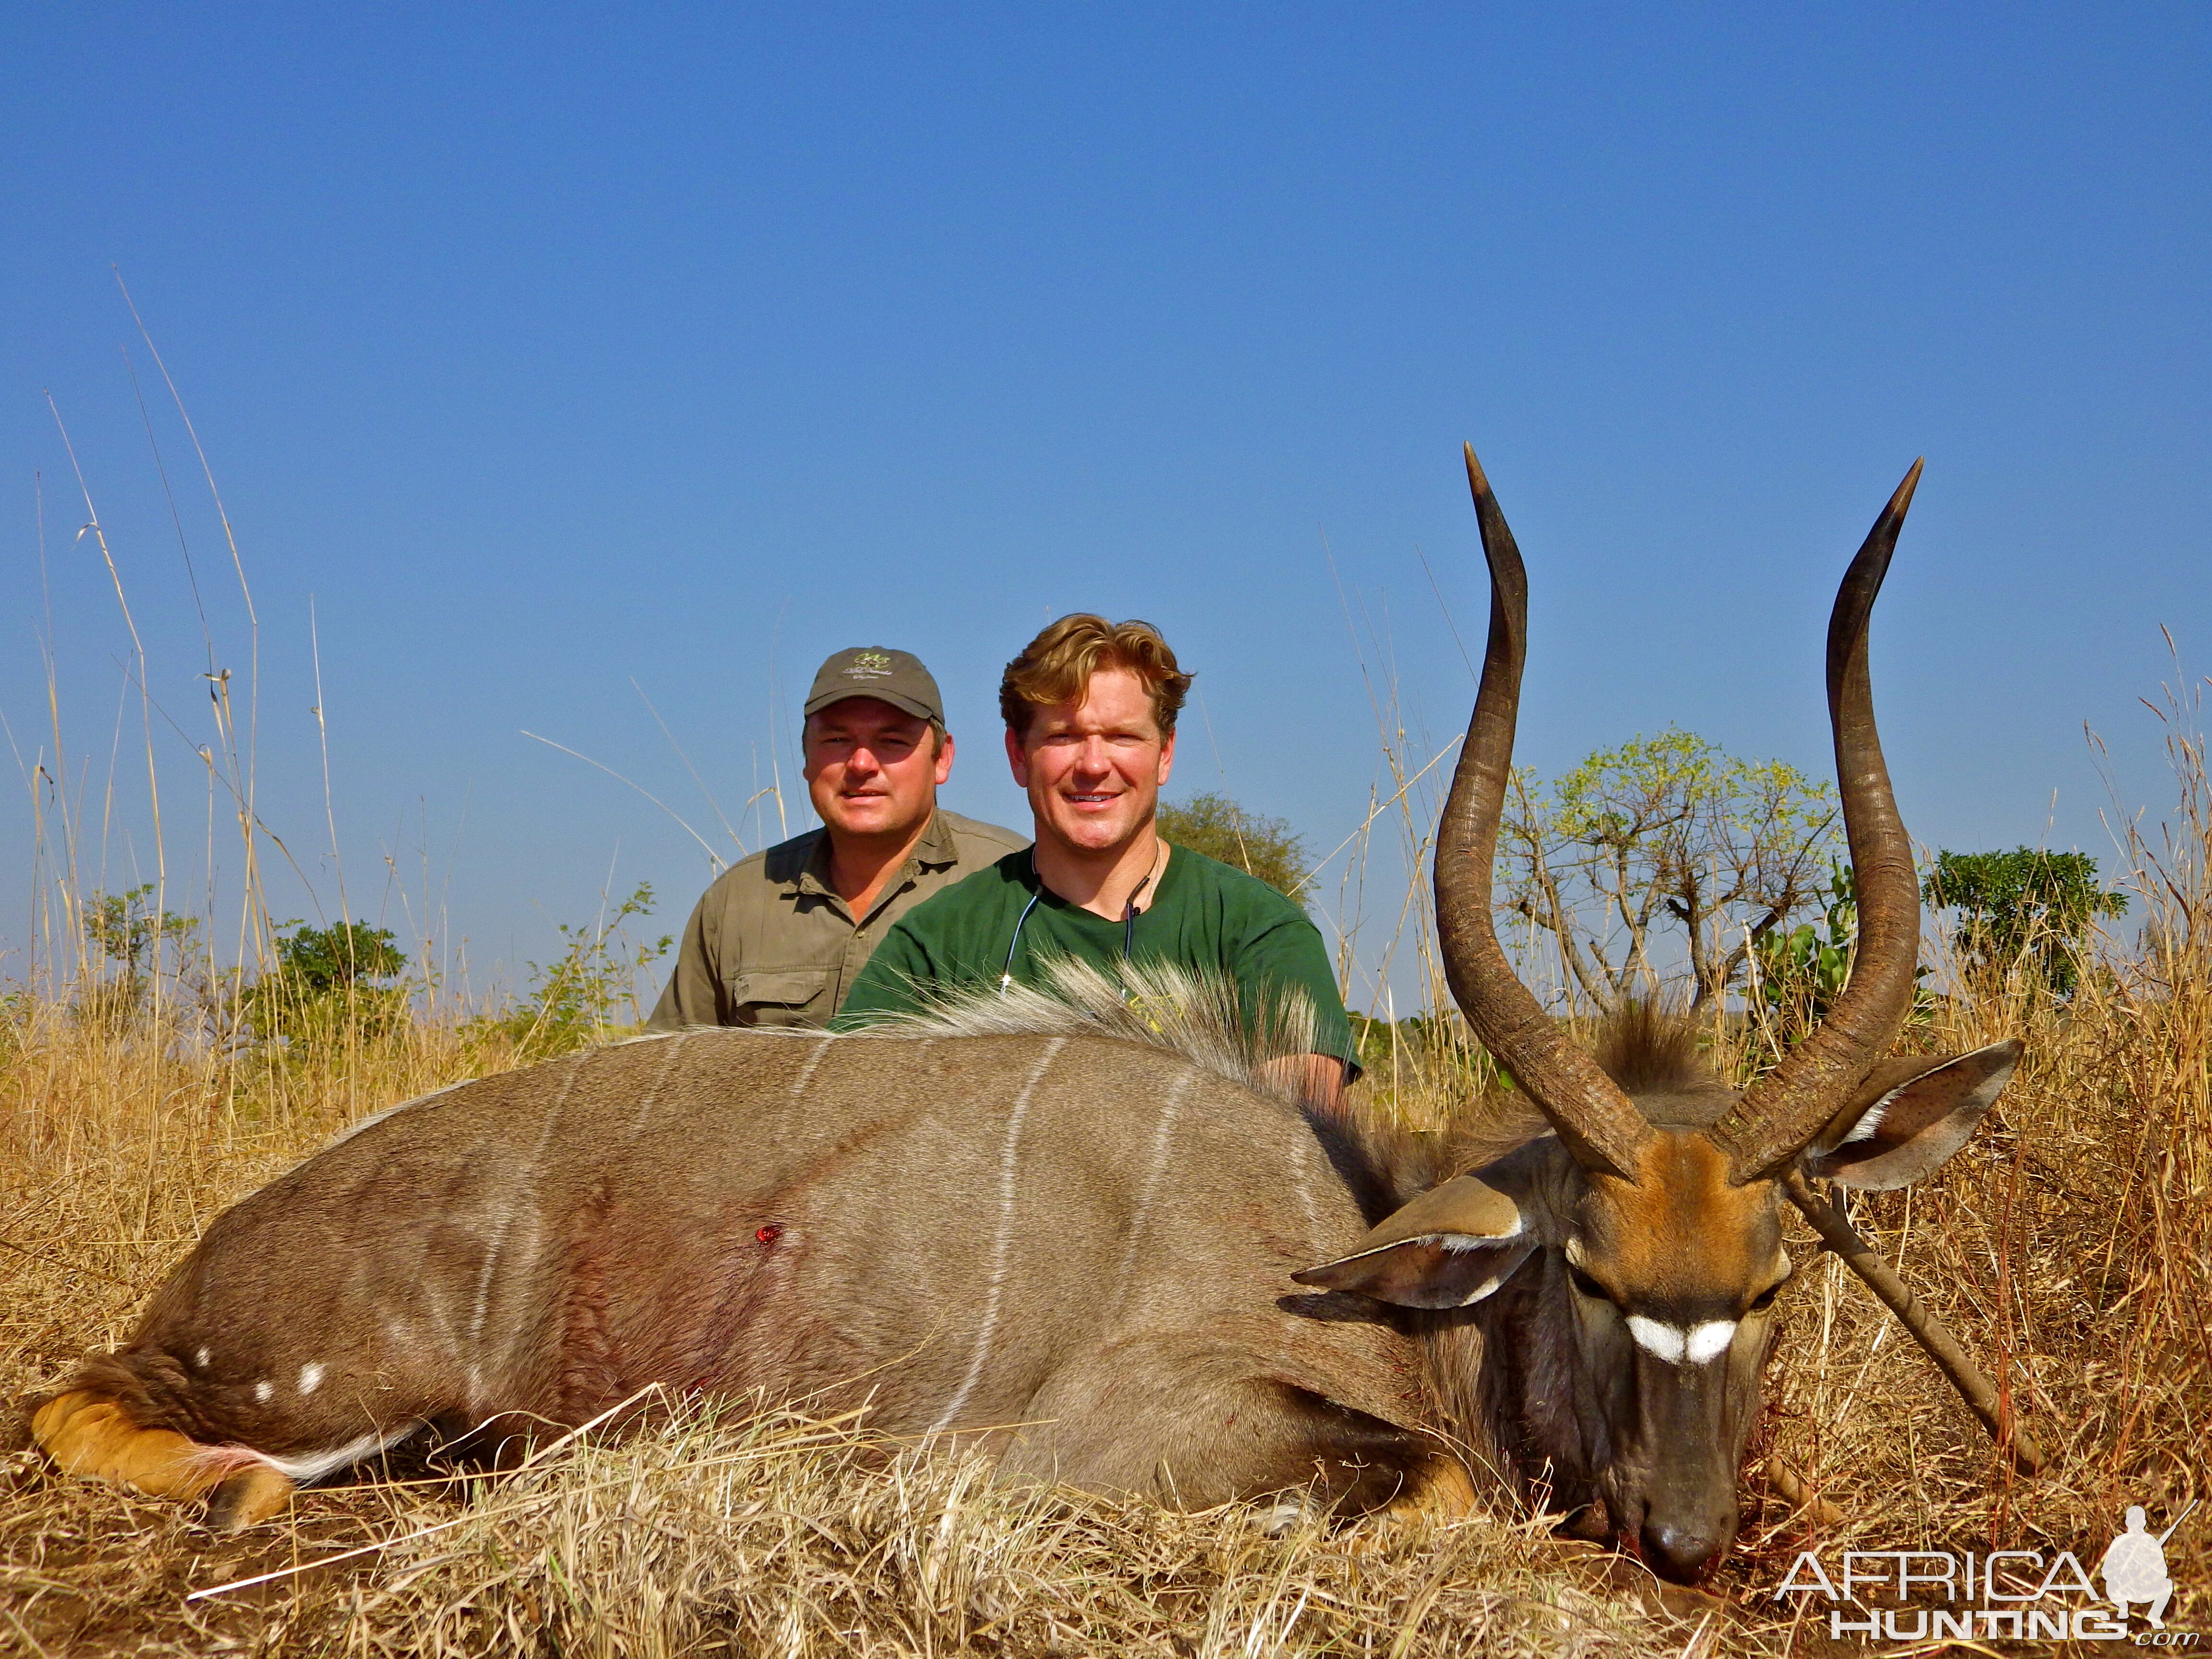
1093 769
870 768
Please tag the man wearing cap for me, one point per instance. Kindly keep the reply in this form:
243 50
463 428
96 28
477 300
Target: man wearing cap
779 937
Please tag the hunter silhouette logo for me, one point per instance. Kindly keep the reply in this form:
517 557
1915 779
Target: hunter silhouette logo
2017 1594
2134 1568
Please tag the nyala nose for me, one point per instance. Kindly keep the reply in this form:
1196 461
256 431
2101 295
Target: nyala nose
1680 1552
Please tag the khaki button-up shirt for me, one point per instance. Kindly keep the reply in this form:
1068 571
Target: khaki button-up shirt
771 944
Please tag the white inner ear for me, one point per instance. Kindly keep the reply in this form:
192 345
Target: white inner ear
1870 1120
1479 1240
1511 1260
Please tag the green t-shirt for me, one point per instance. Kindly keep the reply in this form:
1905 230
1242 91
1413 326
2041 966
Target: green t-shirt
1002 919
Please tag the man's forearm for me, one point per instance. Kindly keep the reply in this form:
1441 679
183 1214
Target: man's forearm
1317 1080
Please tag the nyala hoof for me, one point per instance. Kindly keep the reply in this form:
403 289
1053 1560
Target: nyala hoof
247 1498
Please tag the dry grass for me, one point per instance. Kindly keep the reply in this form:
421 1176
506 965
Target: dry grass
2069 1246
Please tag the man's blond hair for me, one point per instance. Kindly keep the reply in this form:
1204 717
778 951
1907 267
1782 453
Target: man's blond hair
1056 667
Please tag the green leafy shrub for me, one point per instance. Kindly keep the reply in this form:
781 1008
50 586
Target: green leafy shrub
325 986
590 992
130 935
2024 908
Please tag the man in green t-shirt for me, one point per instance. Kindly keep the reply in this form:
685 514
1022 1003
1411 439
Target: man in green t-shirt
1091 709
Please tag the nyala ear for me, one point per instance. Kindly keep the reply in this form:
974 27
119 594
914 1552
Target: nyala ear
1909 1116
1450 1247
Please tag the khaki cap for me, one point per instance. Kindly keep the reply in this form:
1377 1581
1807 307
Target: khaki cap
897 678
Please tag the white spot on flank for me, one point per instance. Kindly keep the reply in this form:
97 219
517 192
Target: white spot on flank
1008 1166
201 1359
1698 1345
262 1392
311 1378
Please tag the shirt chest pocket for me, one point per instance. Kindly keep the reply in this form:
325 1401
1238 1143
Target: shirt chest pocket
784 996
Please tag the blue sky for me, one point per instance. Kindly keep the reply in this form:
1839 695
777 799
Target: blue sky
548 350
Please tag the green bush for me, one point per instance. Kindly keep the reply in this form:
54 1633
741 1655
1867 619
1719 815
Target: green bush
1217 826
2023 908
325 986
578 999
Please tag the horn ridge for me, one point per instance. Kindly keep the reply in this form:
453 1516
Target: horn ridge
1598 1124
1780 1114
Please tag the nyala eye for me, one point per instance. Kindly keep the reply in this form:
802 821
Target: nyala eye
1588 1286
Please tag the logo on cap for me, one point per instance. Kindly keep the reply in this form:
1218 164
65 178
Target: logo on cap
870 665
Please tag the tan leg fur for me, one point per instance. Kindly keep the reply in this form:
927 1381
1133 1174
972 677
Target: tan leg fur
88 1435
1442 1493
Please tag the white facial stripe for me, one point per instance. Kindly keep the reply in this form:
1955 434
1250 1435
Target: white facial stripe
1709 1341
1699 1345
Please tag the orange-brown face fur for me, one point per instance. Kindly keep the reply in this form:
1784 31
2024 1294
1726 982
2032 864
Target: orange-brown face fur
1679 1243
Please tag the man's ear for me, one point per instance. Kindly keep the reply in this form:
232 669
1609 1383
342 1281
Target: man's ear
945 757
1019 758
1908 1116
1450 1248
1167 758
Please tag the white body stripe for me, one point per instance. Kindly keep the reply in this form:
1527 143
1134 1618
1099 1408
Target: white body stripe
651 1098
1170 1109
1302 1179
807 1071
1008 1163
523 1194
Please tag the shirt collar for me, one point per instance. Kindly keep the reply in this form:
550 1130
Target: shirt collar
936 847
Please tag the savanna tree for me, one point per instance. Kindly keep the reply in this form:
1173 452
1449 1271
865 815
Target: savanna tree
328 981
1219 828
2022 907
132 934
1664 850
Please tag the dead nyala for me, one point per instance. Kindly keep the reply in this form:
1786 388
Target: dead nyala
1072 1230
